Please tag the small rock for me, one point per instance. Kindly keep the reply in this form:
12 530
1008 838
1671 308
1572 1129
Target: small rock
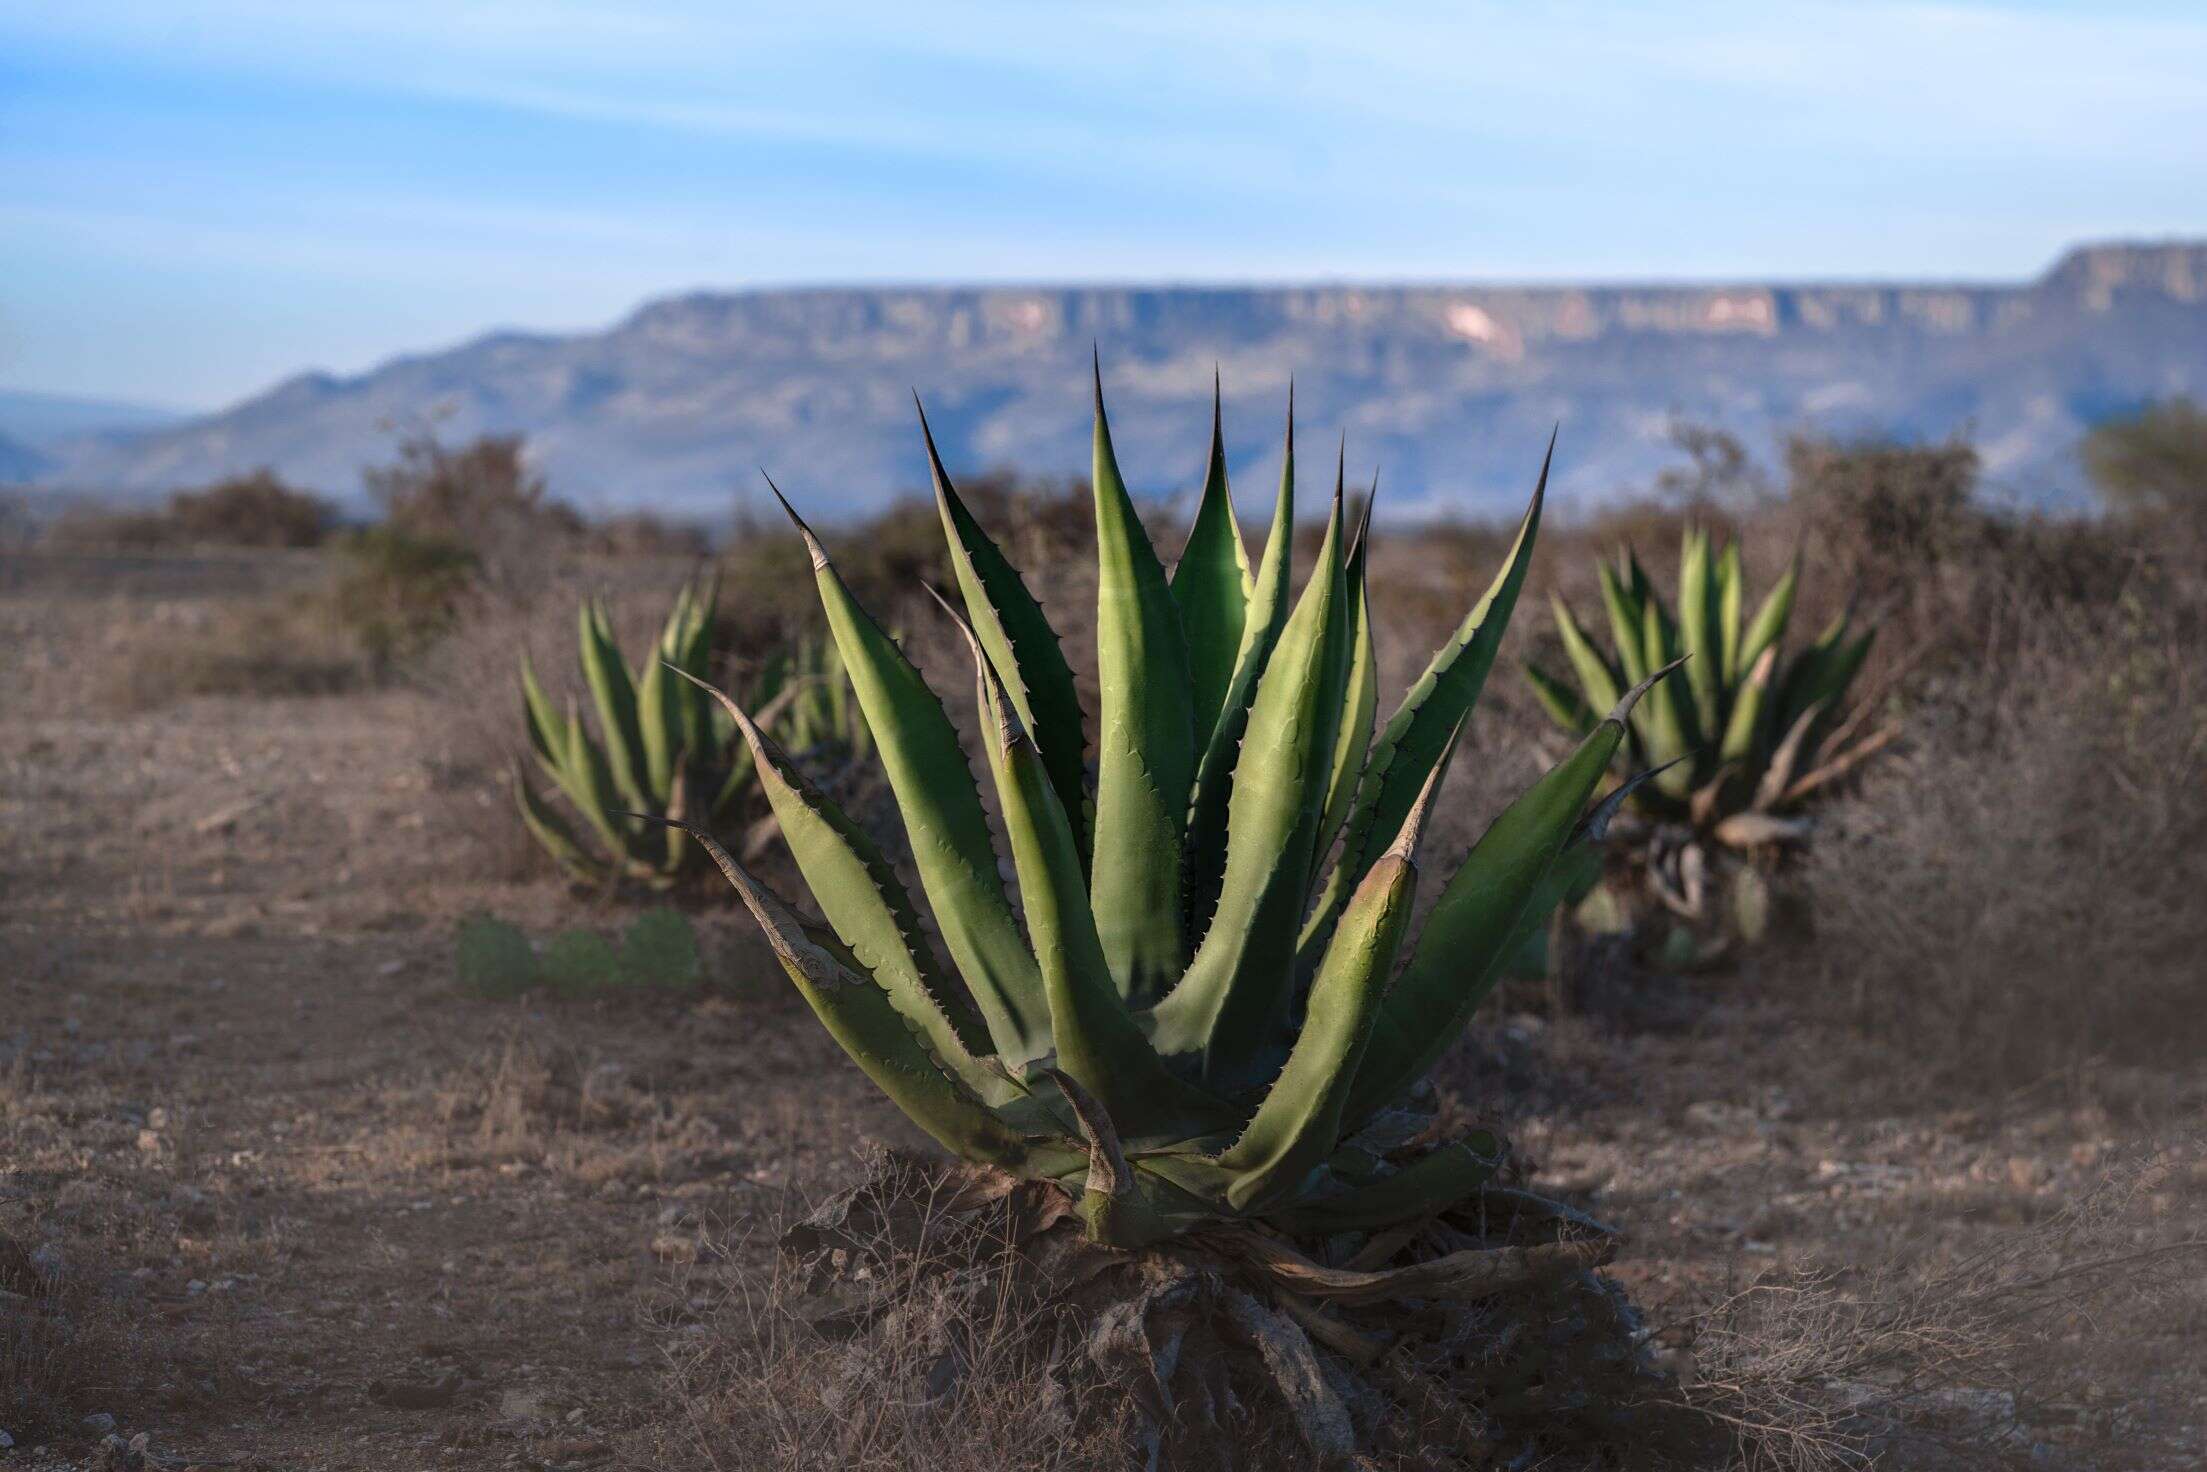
99 1423
6 1441
195 1286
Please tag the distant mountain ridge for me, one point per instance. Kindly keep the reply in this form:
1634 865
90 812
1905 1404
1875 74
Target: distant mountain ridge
1449 390
39 419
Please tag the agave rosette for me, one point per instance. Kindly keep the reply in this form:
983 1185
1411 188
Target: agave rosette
662 750
1186 1016
1753 731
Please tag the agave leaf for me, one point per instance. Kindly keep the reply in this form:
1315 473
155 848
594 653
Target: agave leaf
1597 677
1771 618
1299 1122
1467 938
1145 757
551 831
1417 733
1269 605
1626 616
1212 586
1020 644
547 728
1743 733
1577 869
1098 1042
1237 986
659 718
615 697
1778 775
1664 718
1564 705
1355 736
1699 627
1426 1187
1731 594
943 818
858 1013
693 655
860 895
590 784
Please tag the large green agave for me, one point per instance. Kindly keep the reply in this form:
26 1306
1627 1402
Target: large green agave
1199 1021
663 751
1755 732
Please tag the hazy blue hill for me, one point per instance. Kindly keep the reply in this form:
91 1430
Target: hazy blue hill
19 462
1450 390
43 419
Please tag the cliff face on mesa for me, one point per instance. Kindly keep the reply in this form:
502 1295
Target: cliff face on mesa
1449 390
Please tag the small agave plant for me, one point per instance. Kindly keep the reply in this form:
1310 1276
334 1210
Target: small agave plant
1750 736
1187 1017
663 750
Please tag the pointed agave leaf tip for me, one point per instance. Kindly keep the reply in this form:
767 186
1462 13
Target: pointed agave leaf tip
812 543
1632 696
736 713
1547 461
1364 522
1405 846
1596 825
934 460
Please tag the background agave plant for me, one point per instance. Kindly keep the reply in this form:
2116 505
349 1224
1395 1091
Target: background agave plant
1200 1021
1749 736
663 750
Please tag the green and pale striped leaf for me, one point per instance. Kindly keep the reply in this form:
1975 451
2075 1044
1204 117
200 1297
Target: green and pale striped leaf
1145 742
1212 586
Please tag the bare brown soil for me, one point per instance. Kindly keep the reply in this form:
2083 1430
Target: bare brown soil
318 1208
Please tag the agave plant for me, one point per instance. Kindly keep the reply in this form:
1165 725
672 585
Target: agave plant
663 750
1200 1022
1751 734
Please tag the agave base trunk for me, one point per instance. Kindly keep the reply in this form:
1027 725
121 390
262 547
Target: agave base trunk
1479 1338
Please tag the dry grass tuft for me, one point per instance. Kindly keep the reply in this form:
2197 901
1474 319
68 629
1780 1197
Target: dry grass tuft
951 1378
1973 1361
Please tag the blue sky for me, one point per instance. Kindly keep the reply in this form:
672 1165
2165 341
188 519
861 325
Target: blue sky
198 200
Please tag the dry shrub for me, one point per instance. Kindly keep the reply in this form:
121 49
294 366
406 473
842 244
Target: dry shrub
482 498
2020 892
1982 1358
253 510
